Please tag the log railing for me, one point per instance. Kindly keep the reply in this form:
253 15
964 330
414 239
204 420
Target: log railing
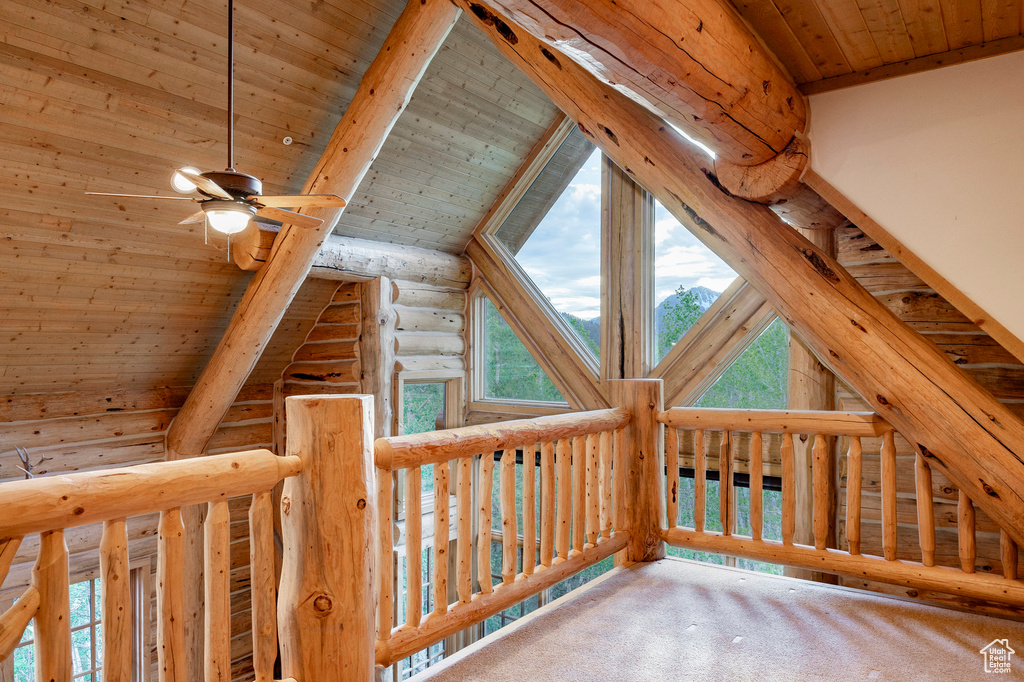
700 424
579 524
50 505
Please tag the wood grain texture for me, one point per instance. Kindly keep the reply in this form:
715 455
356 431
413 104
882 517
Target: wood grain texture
117 606
263 586
53 619
217 594
170 624
326 613
748 120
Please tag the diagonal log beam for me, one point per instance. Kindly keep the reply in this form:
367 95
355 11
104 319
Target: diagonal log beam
695 63
383 93
958 426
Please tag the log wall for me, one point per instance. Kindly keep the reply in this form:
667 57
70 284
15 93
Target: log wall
977 353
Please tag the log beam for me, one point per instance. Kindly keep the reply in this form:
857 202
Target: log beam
349 259
959 427
383 93
697 64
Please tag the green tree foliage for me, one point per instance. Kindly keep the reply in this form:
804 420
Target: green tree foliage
510 371
579 326
679 317
758 378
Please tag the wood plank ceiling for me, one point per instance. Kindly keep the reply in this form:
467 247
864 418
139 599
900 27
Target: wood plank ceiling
822 40
111 95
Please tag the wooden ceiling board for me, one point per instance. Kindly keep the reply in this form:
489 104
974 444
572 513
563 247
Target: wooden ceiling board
828 44
112 95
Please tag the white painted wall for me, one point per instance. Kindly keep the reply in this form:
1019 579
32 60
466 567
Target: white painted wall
937 159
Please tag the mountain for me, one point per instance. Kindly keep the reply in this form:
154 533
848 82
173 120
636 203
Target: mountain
705 297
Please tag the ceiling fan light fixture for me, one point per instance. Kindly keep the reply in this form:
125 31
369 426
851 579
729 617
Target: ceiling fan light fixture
228 217
181 184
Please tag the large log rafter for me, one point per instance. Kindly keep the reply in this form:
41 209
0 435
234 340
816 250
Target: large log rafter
383 94
958 426
695 63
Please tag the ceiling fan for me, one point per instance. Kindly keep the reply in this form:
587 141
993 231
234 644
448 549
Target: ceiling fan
229 199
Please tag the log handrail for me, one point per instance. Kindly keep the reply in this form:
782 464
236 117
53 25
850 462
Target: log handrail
818 555
49 505
56 502
863 424
421 449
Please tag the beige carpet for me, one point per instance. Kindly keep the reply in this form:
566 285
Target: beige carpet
680 620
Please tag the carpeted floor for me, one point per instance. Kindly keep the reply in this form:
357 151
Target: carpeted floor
680 620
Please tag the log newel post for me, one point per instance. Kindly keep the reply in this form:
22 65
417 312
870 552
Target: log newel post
326 603
645 461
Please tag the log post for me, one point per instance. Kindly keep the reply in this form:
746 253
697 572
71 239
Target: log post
326 607
645 464
963 431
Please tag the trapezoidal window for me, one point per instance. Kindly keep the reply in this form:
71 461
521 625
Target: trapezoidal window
554 235
688 279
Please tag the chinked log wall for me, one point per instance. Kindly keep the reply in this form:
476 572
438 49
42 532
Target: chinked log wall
980 356
82 431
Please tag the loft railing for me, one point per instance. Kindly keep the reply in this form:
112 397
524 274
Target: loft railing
726 425
50 505
579 525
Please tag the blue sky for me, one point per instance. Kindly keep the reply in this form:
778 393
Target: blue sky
563 256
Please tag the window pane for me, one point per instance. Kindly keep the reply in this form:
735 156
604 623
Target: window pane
688 278
554 233
510 372
758 378
423 407
80 598
81 650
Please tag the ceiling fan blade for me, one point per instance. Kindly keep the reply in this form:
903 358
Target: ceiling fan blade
204 184
288 217
137 196
197 217
302 201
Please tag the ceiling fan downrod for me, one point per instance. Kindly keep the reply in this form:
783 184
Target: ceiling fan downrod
231 85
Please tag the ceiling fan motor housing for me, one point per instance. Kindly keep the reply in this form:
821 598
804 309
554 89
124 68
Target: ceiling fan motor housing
238 185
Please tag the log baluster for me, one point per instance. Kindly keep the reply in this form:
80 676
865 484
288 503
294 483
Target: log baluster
606 483
14 620
483 530
925 510
263 585
464 502
821 455
854 464
414 546
672 478
725 491
888 455
1008 549
563 455
965 533
441 537
217 593
53 620
756 485
579 492
8 550
788 490
547 504
700 480
509 525
170 626
529 508
620 516
117 605
385 556
593 499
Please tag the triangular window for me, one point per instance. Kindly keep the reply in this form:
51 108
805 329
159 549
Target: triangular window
758 378
509 371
